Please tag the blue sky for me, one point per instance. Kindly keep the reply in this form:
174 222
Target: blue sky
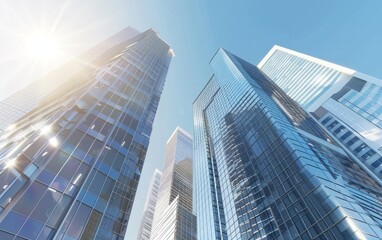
346 32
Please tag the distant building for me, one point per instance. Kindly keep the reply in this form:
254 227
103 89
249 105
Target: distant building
149 209
346 102
72 158
265 169
174 218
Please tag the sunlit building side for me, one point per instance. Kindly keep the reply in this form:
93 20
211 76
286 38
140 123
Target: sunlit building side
70 74
70 164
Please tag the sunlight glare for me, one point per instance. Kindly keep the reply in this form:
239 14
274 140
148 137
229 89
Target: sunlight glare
42 46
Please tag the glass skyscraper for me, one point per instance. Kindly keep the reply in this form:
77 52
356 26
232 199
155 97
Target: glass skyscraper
174 218
71 163
265 169
144 232
346 102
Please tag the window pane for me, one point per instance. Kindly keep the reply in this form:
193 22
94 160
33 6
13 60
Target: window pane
30 198
30 229
60 208
97 183
72 141
6 178
46 177
45 233
46 205
107 188
59 184
69 169
79 221
57 161
92 225
6 236
12 222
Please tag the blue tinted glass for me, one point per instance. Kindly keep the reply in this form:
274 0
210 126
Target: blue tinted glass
45 233
46 177
12 222
79 221
30 229
30 198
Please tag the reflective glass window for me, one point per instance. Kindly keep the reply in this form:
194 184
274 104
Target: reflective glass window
7 176
12 222
45 233
30 198
72 141
57 162
46 205
92 225
107 189
69 168
97 183
30 229
79 221
59 209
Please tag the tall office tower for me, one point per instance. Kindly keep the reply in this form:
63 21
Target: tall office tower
173 218
265 169
346 102
70 165
149 210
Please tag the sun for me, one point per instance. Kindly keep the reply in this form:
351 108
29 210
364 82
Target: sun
42 46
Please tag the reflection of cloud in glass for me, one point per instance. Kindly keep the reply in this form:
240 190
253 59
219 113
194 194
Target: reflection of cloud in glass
372 134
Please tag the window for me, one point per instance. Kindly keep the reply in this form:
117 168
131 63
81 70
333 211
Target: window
333 124
92 225
72 141
60 208
352 141
107 189
360 147
347 134
6 178
97 183
70 167
368 154
377 163
57 162
326 120
339 129
46 205
79 221
30 198
12 222
30 229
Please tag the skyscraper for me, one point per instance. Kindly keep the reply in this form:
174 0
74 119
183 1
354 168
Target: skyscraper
264 168
144 232
174 218
346 102
70 165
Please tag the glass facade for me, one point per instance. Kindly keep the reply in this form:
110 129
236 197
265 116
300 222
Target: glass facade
174 218
346 102
149 210
16 106
265 169
70 167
